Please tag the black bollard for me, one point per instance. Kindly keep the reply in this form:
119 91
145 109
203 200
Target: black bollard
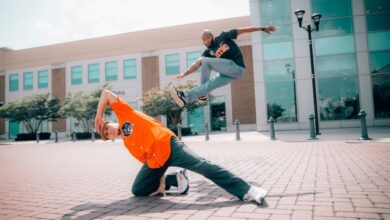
237 123
56 137
179 130
37 137
206 130
272 127
93 135
74 136
312 129
363 126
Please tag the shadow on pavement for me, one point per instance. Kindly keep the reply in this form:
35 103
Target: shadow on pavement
147 205
139 205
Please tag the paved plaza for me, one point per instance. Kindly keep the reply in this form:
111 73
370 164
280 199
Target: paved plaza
335 177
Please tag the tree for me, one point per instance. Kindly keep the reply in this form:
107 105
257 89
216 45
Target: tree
274 110
32 111
156 102
82 106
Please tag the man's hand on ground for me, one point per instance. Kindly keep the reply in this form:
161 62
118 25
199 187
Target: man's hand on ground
161 188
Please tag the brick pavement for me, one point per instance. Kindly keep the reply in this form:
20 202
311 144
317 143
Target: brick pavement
306 180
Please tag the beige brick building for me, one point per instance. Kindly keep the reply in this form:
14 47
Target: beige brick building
351 54
148 52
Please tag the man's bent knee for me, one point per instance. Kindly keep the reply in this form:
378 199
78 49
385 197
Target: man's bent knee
138 192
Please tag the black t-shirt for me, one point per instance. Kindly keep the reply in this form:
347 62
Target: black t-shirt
223 46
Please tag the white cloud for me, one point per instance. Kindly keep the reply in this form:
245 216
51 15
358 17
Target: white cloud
59 21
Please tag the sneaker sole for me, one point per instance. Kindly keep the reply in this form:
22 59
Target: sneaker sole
184 172
263 199
176 98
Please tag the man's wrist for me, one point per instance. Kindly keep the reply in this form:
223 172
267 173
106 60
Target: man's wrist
263 28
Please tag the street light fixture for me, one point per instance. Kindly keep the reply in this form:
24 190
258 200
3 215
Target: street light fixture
316 17
299 13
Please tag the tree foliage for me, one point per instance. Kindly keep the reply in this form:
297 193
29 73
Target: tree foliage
156 102
274 110
32 111
82 106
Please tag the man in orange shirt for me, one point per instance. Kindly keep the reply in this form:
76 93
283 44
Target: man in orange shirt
157 148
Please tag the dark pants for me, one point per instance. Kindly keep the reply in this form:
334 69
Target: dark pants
148 180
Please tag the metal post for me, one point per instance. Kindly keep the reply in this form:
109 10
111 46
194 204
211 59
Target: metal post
313 81
74 136
179 130
206 129
37 137
56 137
312 130
363 126
237 123
93 134
272 128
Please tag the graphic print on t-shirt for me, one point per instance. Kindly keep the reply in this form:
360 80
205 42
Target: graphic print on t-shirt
221 50
127 129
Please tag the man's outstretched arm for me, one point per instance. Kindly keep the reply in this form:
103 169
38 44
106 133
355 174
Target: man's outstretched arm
190 70
268 29
106 98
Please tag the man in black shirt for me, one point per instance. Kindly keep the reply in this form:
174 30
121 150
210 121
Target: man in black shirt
223 56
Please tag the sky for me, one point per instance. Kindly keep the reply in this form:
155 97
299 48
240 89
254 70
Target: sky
33 23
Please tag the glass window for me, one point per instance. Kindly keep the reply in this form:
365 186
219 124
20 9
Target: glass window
218 114
336 66
13 82
381 90
378 22
338 98
76 75
284 33
27 81
281 103
332 8
380 62
111 71
335 27
279 70
281 50
379 41
377 6
192 57
172 64
196 120
275 12
129 69
335 45
43 79
93 73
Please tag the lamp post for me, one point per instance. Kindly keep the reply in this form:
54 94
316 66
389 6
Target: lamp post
316 20
292 72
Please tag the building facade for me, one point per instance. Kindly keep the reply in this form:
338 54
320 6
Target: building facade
351 57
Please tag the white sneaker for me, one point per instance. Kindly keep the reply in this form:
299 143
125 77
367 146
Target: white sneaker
257 194
182 181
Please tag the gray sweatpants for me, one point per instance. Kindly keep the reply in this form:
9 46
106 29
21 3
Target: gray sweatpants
148 180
